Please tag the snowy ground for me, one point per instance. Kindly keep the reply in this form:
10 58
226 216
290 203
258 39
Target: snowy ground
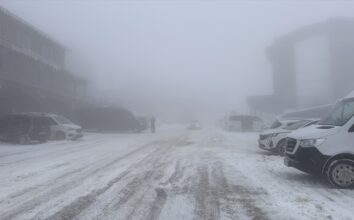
173 174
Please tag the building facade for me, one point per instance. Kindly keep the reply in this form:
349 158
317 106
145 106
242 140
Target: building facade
32 72
311 66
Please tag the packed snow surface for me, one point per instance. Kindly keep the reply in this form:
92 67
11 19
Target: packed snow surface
173 174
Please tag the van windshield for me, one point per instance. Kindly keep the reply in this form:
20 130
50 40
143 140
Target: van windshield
340 114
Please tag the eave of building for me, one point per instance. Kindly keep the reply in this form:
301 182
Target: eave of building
333 25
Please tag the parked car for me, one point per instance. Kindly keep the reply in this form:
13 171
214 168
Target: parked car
326 148
281 123
144 123
61 128
194 125
275 139
24 128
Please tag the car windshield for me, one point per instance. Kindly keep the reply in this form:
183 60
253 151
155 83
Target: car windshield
62 120
297 125
340 114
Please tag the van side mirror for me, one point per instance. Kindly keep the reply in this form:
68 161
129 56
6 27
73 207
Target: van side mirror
351 129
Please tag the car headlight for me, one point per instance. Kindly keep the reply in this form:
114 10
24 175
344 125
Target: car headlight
274 135
71 129
311 142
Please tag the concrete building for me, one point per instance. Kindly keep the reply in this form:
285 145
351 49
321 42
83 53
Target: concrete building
311 66
32 72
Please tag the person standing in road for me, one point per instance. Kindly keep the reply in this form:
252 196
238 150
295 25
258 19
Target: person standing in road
152 124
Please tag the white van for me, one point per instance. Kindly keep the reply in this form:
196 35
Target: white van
326 148
61 128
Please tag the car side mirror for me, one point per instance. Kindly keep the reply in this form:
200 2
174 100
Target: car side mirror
351 129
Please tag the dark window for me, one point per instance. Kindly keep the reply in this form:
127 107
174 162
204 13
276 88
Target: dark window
19 123
50 121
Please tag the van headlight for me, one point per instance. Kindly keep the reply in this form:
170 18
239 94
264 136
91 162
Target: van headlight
311 142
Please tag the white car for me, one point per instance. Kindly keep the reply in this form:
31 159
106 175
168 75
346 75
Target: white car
61 128
326 148
281 123
275 139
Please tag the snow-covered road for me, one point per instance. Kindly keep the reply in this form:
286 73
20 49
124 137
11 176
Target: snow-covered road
173 174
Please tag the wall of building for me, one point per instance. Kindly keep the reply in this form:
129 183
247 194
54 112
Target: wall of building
18 34
312 65
32 74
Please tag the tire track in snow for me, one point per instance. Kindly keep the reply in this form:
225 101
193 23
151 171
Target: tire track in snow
141 184
31 203
77 206
207 203
55 153
160 200
215 195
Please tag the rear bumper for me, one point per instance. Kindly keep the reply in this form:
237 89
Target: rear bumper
308 160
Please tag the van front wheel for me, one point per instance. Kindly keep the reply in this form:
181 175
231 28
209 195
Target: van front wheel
340 173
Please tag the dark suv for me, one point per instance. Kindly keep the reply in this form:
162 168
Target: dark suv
24 128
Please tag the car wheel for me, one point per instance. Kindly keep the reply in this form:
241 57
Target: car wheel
23 140
60 135
281 148
340 173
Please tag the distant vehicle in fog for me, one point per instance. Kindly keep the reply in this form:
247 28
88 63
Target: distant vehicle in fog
275 139
144 123
24 128
112 119
243 123
194 125
61 128
326 148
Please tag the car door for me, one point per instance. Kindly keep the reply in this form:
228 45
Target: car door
40 128
53 126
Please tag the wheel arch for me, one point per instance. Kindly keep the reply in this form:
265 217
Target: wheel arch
281 141
336 157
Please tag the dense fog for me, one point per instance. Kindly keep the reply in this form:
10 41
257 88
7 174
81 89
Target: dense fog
170 110
176 60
